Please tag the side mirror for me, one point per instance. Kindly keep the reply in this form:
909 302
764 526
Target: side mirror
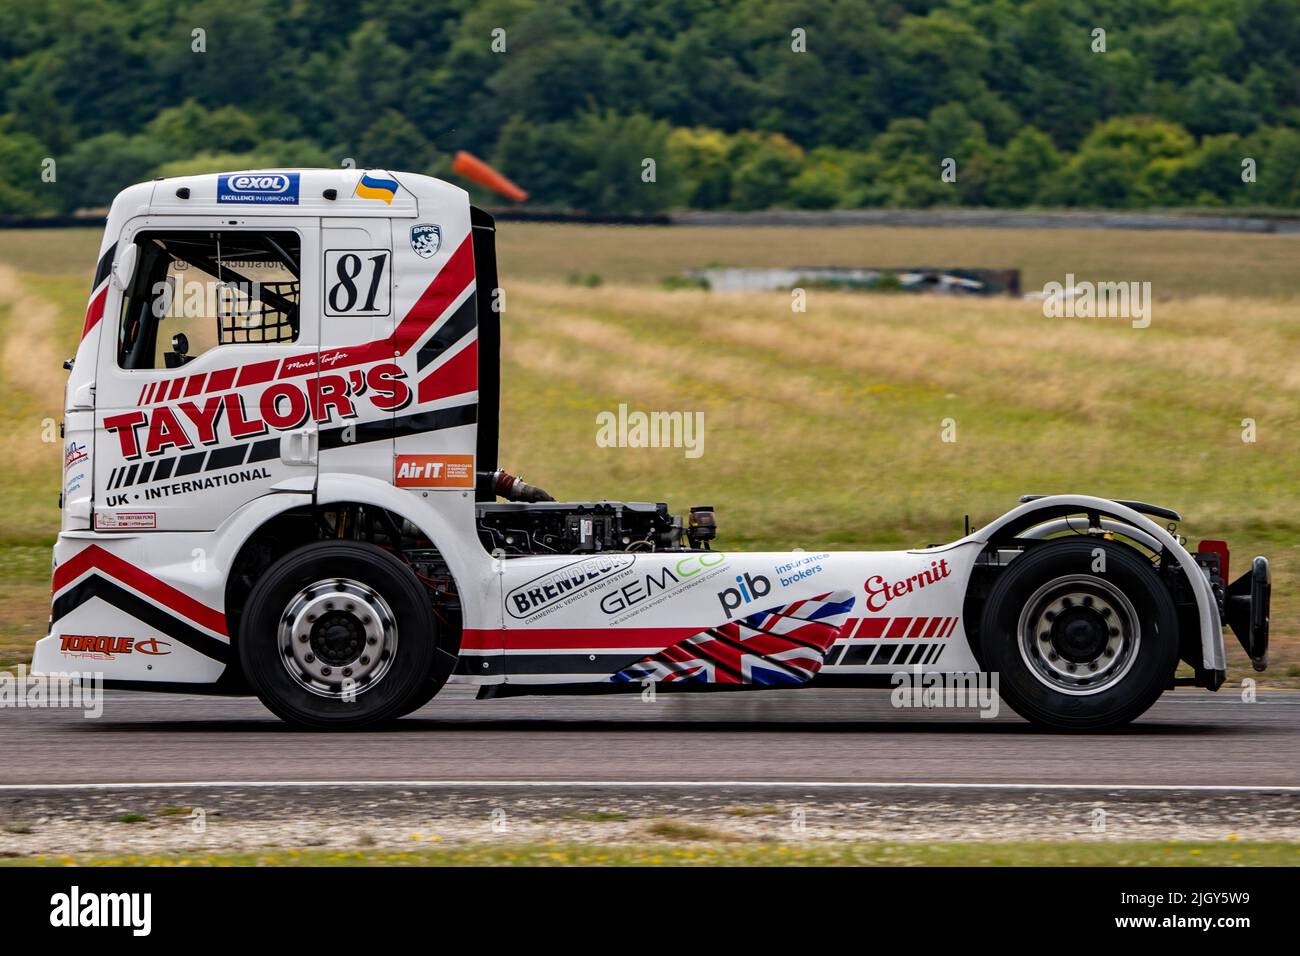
124 266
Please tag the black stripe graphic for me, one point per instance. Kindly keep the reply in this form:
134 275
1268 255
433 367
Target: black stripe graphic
460 324
227 457
119 597
558 663
385 429
884 653
264 450
857 654
104 266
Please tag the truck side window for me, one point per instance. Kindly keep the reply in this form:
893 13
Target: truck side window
194 291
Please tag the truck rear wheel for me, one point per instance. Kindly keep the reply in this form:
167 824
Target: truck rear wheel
339 635
1082 634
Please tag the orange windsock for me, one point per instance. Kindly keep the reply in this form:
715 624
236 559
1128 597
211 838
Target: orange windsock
473 168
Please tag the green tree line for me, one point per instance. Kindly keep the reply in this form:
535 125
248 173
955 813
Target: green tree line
741 104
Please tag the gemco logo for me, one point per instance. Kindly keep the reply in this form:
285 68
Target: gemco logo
258 187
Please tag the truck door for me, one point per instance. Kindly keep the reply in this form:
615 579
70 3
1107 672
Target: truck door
196 409
355 399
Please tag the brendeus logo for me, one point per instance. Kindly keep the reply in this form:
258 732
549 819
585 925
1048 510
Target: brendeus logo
880 592
103 644
282 406
749 587
540 593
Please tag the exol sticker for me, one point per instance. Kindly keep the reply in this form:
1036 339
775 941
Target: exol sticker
96 644
126 520
276 188
546 592
426 239
433 471
880 592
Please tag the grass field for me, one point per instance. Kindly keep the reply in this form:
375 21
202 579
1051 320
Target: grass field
822 429
1225 853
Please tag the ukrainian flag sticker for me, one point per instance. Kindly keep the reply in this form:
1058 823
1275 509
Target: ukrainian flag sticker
376 187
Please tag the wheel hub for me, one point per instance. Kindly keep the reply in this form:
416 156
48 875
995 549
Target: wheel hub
337 637
1079 634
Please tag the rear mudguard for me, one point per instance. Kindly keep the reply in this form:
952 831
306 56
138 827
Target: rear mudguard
1041 510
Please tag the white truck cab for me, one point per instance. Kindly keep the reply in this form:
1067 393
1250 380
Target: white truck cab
281 476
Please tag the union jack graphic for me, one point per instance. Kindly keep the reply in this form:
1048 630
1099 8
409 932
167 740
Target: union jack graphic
783 645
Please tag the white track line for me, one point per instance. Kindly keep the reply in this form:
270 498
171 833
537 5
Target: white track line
649 785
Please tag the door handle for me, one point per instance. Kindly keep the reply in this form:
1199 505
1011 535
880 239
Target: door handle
299 447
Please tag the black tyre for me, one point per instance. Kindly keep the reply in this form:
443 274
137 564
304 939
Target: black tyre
1082 633
339 635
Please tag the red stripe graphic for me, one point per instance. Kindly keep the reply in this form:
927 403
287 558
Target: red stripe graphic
95 311
573 638
456 375
221 380
872 627
897 627
445 288
146 584
257 373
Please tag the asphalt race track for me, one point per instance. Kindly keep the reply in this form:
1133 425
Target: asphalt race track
1189 739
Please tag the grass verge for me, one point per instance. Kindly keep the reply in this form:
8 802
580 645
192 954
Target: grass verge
1224 853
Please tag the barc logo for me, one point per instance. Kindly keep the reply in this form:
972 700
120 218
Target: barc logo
258 188
748 588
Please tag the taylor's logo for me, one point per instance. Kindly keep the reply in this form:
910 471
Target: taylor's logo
426 239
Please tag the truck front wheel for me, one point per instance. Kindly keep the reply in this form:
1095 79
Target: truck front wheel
1082 634
338 635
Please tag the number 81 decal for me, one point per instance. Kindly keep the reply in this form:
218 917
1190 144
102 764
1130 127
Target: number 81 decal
357 282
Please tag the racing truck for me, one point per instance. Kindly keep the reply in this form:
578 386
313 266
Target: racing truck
280 477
